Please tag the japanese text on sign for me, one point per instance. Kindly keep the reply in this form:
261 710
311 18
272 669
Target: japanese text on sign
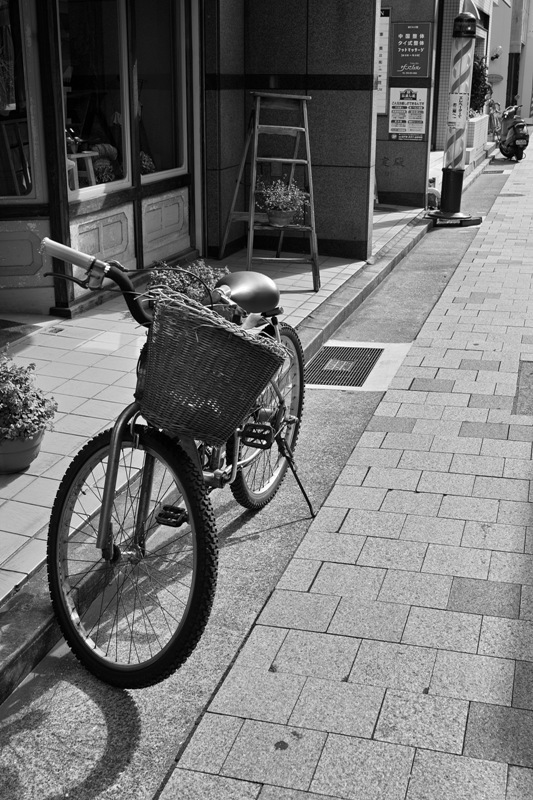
458 106
407 113
411 49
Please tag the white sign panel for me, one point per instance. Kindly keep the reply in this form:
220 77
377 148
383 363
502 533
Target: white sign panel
407 113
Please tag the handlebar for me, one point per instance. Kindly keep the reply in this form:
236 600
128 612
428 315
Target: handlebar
96 271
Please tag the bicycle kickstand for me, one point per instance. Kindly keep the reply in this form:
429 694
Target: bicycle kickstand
286 452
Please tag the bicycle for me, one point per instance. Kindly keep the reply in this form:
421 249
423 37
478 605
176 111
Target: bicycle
132 545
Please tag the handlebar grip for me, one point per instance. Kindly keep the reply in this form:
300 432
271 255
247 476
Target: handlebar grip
65 253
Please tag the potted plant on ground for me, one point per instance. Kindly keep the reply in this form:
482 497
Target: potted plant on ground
283 201
25 414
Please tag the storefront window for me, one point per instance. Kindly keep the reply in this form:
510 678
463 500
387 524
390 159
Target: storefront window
93 89
160 69
15 160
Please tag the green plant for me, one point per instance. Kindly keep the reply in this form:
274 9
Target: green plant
481 87
185 279
24 409
281 195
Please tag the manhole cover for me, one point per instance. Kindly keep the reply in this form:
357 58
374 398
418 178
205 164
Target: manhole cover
355 366
342 366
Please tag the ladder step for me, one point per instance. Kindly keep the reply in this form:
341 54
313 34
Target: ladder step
282 258
282 160
282 130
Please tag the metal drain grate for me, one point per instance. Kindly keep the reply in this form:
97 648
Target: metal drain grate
341 366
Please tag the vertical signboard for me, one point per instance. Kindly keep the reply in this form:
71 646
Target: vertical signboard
411 50
407 113
382 61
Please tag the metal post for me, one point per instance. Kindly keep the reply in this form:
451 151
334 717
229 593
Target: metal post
461 67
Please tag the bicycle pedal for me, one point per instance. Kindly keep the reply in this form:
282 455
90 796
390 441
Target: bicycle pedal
173 516
259 436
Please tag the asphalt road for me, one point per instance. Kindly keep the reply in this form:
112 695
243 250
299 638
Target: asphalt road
63 734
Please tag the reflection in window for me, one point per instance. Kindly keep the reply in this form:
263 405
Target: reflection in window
92 88
160 85
15 165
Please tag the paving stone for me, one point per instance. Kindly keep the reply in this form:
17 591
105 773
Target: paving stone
515 513
392 665
188 785
526 603
415 588
417 459
276 754
474 508
431 385
356 497
505 449
433 529
498 733
485 597
494 536
450 630
211 743
341 547
501 488
466 562
421 720
450 777
518 468
352 475
373 457
521 433
473 677
393 478
369 620
519 784
356 768
319 655
390 553
480 364
407 441
382 423
477 465
506 638
328 519
373 523
261 647
300 610
425 504
523 685
277 793
348 580
347 708
455 444
511 568
446 483
257 694
419 411
299 574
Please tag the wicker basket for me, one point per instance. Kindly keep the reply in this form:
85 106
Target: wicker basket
201 374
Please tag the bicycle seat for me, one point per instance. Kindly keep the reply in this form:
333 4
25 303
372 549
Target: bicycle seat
252 291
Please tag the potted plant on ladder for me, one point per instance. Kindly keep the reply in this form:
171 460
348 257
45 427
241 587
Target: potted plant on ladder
283 201
25 414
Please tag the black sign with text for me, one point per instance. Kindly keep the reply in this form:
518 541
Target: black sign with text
411 48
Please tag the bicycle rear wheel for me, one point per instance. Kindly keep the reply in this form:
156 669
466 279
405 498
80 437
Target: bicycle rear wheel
135 619
257 482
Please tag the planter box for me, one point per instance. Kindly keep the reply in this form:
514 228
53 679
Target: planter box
477 133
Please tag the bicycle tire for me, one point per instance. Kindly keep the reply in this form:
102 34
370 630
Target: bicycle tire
134 620
256 484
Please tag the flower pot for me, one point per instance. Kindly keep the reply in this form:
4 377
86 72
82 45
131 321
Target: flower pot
279 218
17 454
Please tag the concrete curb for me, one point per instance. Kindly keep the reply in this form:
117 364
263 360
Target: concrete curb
29 629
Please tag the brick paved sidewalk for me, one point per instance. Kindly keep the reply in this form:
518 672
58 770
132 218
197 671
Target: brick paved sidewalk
395 658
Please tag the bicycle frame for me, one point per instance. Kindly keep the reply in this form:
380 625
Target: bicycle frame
217 478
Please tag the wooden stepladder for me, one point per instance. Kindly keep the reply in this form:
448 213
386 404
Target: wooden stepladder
296 105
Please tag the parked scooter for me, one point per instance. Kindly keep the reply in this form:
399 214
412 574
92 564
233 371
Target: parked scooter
514 136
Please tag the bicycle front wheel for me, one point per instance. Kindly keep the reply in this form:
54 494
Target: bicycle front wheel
263 471
136 618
